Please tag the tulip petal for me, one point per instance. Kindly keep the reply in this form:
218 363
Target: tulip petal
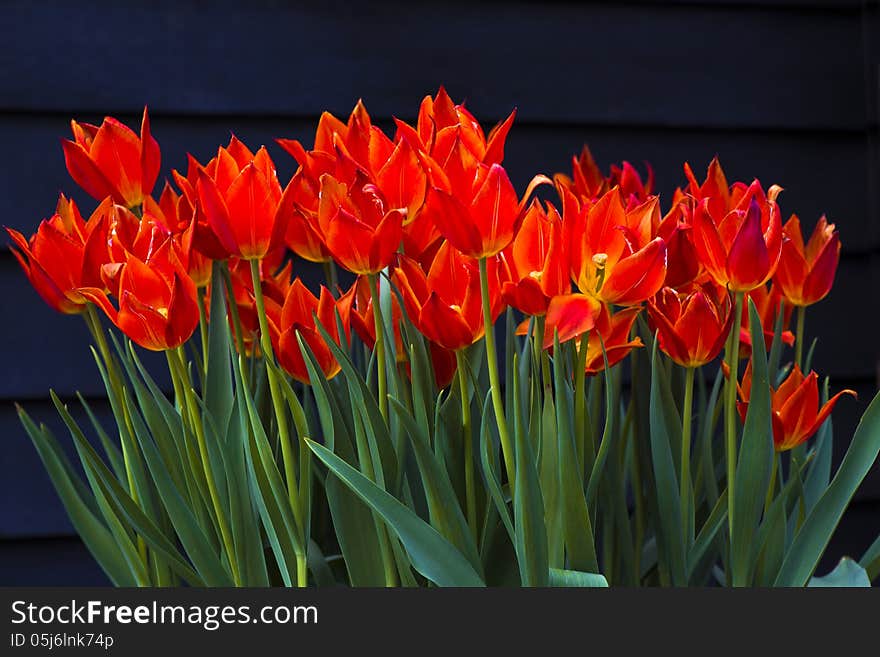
151 157
569 316
443 324
819 281
86 173
251 208
636 277
748 263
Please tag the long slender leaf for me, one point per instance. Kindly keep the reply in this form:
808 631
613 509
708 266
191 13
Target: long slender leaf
431 554
816 532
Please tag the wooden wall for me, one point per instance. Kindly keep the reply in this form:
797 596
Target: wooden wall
782 90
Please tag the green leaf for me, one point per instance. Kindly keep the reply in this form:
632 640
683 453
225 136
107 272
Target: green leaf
577 526
528 505
665 423
218 384
356 533
550 484
445 511
94 533
268 488
847 574
706 538
755 459
198 546
816 532
576 578
870 561
125 505
819 473
491 467
431 554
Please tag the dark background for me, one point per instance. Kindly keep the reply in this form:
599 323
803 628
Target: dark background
782 90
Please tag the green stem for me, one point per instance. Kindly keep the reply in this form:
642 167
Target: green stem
178 360
93 321
302 571
469 482
494 379
800 338
585 439
732 357
276 394
382 530
686 420
233 309
203 329
381 374
330 275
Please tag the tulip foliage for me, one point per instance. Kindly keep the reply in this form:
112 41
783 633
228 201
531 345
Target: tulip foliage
581 384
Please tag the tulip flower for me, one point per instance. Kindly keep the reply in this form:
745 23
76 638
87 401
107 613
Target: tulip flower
239 194
612 330
614 253
478 212
741 248
111 160
298 315
536 260
796 414
445 304
588 183
441 123
715 189
358 227
347 151
176 215
806 273
691 328
65 254
157 300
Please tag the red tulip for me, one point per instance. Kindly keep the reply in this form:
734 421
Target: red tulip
111 160
796 414
349 151
445 305
239 194
588 183
298 316
65 254
691 327
806 273
476 208
536 259
441 123
614 253
175 213
737 231
157 300
357 226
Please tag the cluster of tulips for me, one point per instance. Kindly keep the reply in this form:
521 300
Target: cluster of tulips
438 244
